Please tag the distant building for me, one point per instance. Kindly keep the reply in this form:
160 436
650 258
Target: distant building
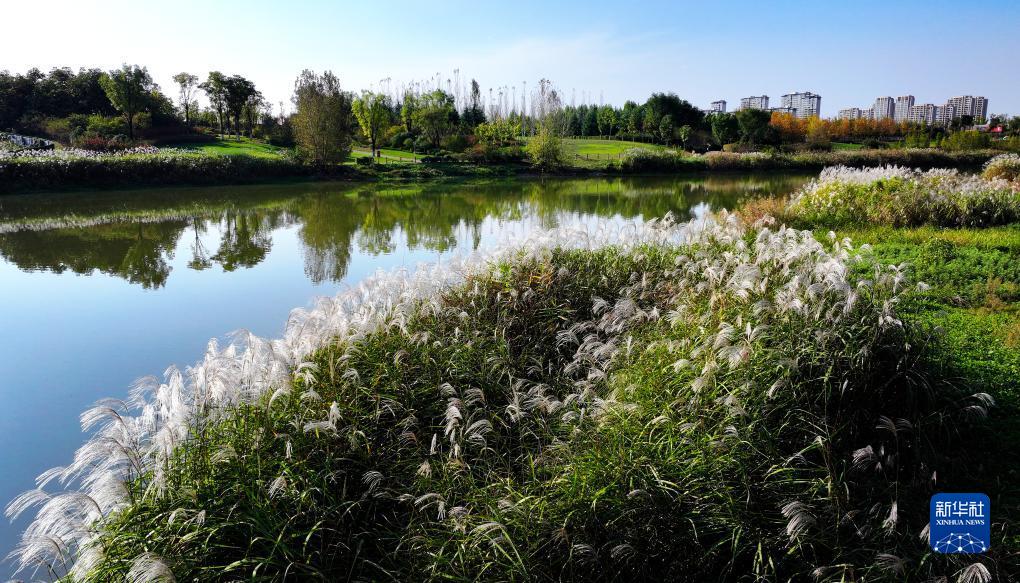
924 113
855 113
849 113
718 106
789 110
884 108
901 111
969 105
944 114
806 104
755 102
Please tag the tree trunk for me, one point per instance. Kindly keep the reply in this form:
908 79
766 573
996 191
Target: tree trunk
131 125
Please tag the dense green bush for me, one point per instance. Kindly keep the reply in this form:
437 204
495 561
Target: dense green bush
702 403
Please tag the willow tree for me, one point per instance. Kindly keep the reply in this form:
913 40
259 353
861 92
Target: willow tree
322 122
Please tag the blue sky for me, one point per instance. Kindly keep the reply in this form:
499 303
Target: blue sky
849 52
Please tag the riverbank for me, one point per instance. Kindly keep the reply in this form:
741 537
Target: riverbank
176 167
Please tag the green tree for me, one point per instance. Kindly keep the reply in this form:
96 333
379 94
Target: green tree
435 115
684 133
322 122
215 88
635 117
606 120
682 112
238 93
187 83
372 110
498 132
407 111
754 125
666 128
725 128
474 114
128 89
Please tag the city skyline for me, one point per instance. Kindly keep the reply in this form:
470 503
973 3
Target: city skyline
905 108
606 54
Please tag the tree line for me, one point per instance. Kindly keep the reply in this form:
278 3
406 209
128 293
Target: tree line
92 107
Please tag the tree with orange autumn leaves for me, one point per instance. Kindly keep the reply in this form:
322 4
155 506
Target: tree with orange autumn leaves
792 129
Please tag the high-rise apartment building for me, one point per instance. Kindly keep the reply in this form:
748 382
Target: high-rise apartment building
854 113
944 114
924 113
902 109
884 108
806 104
718 106
755 102
977 107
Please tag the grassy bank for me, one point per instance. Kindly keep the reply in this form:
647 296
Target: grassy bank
973 304
685 402
75 170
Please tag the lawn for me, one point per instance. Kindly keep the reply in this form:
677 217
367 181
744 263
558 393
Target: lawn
360 152
597 148
230 146
846 146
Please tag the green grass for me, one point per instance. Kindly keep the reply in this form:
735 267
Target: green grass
846 146
974 307
400 154
390 153
230 146
603 148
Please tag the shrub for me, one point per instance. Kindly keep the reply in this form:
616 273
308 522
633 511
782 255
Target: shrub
1004 166
545 149
454 143
900 196
966 140
693 402
636 160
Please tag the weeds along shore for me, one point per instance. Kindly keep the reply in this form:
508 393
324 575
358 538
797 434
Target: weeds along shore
658 401
71 169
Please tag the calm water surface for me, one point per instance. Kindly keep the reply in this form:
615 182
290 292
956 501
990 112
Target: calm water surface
97 290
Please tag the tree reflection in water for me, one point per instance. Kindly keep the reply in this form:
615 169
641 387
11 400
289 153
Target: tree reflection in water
134 235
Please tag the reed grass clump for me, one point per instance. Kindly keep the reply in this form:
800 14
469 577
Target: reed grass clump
73 168
661 402
902 197
1004 166
643 160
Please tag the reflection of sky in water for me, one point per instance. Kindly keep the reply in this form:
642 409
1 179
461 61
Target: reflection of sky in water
69 339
